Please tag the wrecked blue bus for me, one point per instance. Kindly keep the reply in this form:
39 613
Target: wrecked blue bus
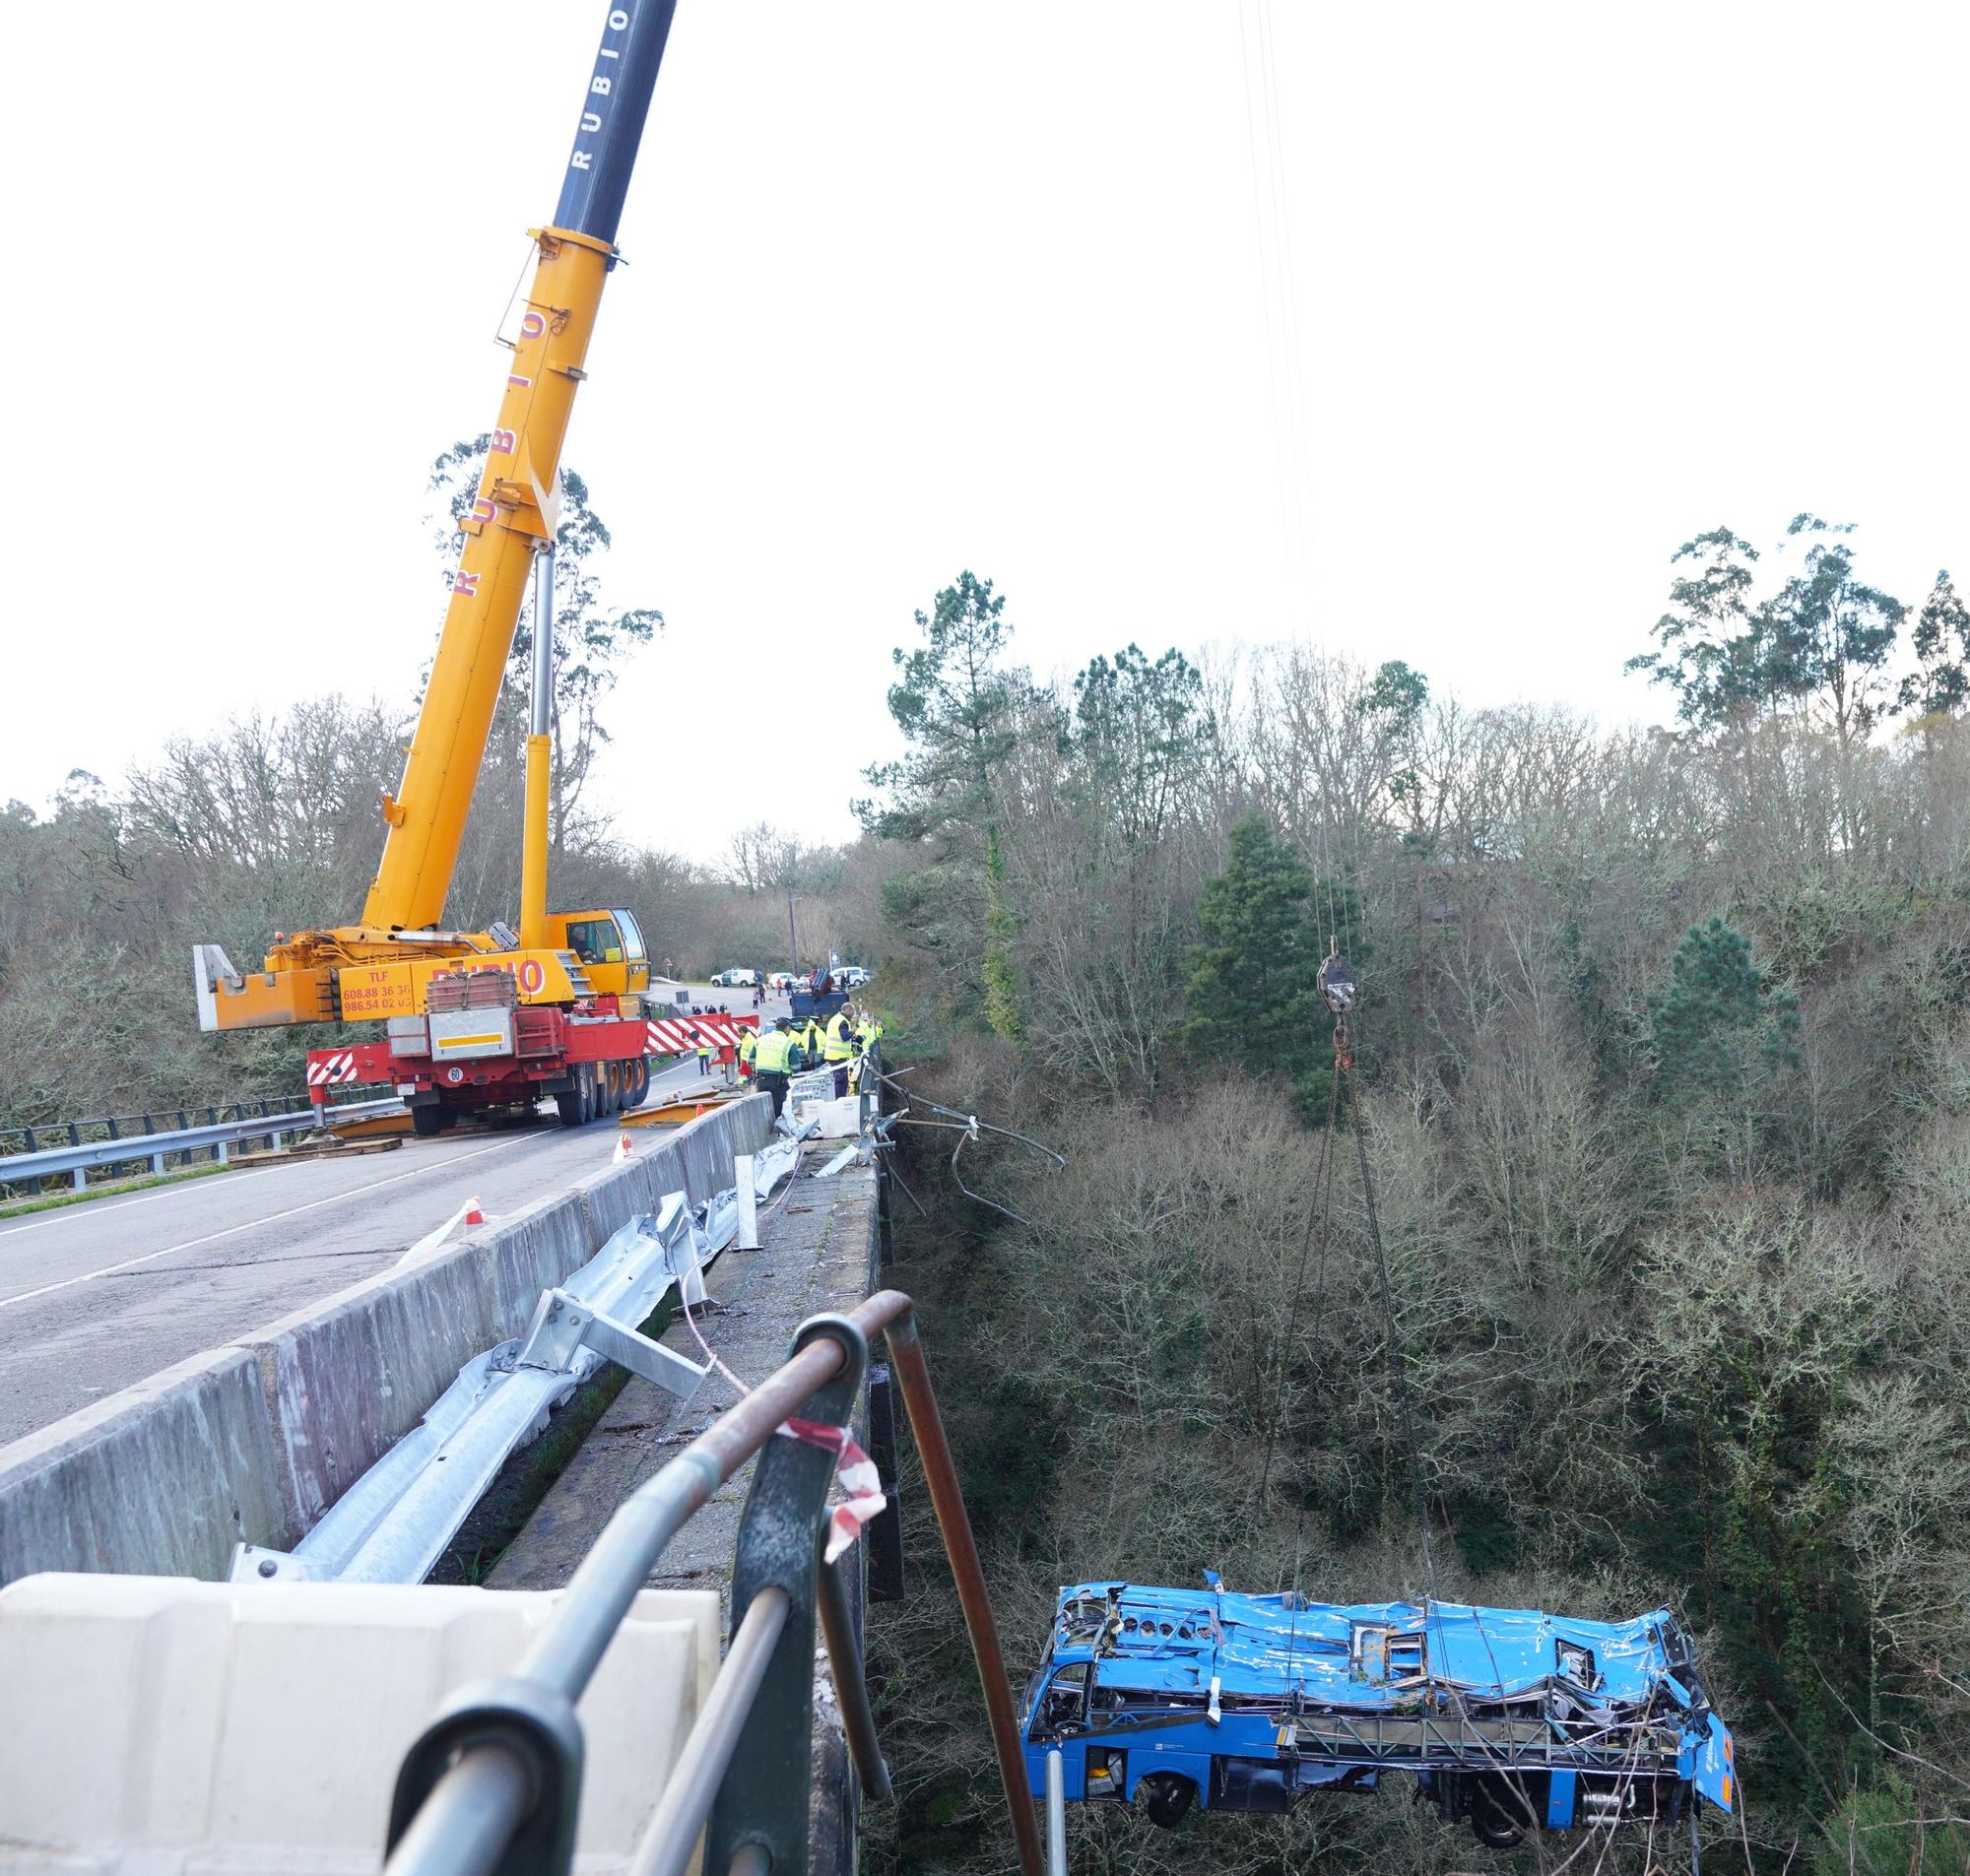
1509 1719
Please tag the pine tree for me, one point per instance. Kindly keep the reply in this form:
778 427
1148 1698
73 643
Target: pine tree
1720 1025
1251 985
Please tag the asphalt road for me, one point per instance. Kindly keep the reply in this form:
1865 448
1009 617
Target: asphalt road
97 1296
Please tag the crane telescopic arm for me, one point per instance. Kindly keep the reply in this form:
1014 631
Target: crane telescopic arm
514 513
380 968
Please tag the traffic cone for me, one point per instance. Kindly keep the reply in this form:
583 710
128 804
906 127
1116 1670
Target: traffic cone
623 1150
468 1214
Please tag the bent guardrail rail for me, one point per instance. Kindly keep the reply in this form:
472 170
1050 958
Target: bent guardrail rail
393 1523
79 1156
495 1780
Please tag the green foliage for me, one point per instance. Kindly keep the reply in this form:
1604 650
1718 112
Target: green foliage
1394 700
1833 633
1891 1829
957 709
1940 682
1733 658
1137 727
1001 1001
1715 649
1251 985
961 713
1720 1025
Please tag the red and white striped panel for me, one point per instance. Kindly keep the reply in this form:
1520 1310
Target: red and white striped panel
328 1067
672 1037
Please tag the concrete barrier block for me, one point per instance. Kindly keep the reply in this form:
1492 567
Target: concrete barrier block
611 1197
349 1377
526 1254
165 1476
164 1726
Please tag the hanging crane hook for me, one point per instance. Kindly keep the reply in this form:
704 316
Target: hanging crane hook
1338 986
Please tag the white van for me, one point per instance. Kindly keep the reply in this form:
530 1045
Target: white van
736 980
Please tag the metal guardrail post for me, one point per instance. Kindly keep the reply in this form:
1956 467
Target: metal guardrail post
882 1538
851 1683
886 1236
1055 1788
669 1840
764 1798
906 1363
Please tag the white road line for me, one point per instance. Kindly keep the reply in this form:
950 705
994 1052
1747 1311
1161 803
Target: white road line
122 1202
273 1217
98 1207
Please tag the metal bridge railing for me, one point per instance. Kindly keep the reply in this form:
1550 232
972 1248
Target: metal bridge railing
495 1783
130 1139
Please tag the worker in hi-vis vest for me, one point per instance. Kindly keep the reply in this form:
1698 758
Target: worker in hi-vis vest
703 1050
838 1047
772 1062
748 1042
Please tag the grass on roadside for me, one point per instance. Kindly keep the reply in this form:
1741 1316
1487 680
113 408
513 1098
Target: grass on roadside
109 1189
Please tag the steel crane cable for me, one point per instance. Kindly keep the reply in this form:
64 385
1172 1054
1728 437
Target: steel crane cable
1321 1205
1399 1382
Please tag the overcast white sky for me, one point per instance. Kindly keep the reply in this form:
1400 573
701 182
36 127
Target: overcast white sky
915 288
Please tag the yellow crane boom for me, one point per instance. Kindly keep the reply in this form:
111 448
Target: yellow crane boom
381 966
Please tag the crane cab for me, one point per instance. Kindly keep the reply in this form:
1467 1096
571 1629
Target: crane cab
608 947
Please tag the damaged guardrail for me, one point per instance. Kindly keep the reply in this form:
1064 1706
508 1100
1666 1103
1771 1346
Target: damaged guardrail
393 1523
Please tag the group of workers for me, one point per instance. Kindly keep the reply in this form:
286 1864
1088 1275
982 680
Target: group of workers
772 1057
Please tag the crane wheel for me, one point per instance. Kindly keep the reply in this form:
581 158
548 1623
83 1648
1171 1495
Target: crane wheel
568 1107
427 1123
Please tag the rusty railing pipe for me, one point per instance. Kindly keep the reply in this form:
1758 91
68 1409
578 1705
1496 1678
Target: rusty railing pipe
896 1315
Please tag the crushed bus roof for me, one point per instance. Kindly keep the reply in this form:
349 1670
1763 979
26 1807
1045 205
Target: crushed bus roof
1365 1656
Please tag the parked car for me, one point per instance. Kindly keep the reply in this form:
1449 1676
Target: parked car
736 980
851 977
781 979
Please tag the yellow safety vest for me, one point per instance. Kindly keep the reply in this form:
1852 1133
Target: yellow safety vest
841 1044
748 1043
770 1057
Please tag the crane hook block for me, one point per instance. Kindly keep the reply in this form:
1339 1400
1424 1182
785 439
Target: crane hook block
1338 982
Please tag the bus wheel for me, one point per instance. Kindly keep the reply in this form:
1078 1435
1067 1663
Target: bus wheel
1169 1799
1498 1815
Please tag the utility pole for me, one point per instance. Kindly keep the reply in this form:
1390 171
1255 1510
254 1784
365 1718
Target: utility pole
793 950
